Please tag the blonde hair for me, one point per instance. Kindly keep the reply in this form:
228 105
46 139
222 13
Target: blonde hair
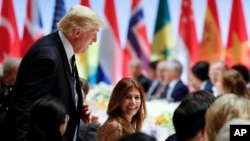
225 108
224 132
79 16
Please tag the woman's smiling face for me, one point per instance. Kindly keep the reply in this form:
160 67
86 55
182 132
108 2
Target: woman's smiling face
131 103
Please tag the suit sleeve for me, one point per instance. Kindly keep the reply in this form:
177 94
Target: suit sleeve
34 81
87 132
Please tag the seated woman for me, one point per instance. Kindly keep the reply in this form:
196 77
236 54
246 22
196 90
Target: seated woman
126 111
48 120
231 81
199 79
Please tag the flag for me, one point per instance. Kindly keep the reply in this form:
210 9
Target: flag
211 48
110 51
32 26
82 58
237 51
137 45
58 13
87 62
187 45
163 42
85 3
9 43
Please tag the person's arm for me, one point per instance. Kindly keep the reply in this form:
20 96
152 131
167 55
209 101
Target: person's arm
87 132
34 81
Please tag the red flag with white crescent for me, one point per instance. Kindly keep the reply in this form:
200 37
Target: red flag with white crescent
9 43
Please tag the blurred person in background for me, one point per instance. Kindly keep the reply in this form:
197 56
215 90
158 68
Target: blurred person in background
244 72
176 90
126 111
10 69
199 79
215 69
135 69
158 86
152 70
231 81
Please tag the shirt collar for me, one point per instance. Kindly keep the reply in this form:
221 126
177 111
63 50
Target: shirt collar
173 83
67 46
203 84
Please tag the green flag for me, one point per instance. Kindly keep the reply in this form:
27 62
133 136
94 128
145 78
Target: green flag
163 41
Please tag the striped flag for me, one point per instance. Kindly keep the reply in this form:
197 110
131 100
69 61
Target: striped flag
32 26
187 45
110 51
85 3
237 51
9 37
137 45
211 48
82 58
58 13
87 62
163 42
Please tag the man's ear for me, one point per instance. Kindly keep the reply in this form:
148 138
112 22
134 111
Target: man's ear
76 32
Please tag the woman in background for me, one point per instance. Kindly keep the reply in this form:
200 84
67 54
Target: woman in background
126 111
231 81
48 120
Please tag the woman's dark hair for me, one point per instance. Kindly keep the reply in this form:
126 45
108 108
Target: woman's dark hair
200 70
47 114
243 71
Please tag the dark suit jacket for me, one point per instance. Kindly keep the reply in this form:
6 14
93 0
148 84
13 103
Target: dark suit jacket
44 70
153 88
179 92
145 82
208 86
87 132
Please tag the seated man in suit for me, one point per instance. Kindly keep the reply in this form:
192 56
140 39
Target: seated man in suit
135 68
215 69
176 90
157 87
199 79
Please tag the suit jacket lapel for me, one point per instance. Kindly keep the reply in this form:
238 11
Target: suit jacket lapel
66 65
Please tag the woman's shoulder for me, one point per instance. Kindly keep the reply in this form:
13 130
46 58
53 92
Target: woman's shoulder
113 124
111 129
